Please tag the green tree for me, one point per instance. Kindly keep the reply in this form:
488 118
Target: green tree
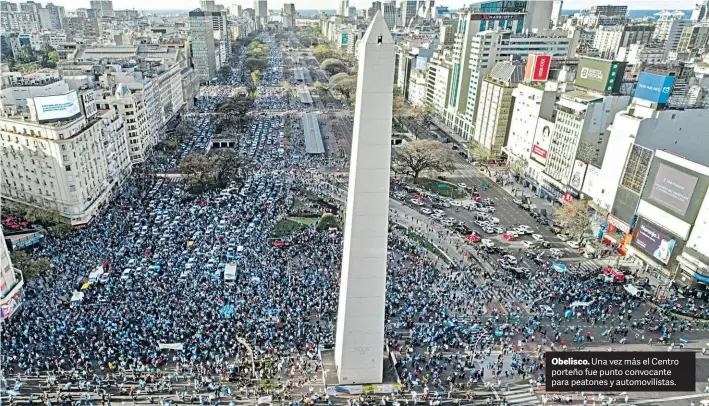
60 230
333 66
255 64
574 217
344 84
323 52
256 77
183 130
482 156
415 157
30 267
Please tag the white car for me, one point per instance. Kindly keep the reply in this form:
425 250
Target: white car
538 237
516 201
562 237
573 244
417 202
495 220
487 243
491 209
426 210
489 230
438 211
455 203
528 244
513 233
462 185
555 252
499 230
510 259
527 229
437 216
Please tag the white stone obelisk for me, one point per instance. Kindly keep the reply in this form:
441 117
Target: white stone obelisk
359 346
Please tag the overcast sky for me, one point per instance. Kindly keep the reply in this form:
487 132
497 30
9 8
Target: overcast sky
332 4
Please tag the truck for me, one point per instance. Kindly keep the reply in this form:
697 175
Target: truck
230 273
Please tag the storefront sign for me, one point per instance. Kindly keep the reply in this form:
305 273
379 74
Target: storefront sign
619 224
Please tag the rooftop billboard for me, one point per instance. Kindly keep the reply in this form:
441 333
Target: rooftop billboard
537 68
542 140
598 74
60 107
654 88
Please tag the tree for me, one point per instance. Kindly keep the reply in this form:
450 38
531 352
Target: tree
256 77
30 267
333 66
183 130
255 64
286 86
482 156
574 217
425 155
344 84
60 230
167 145
218 169
199 170
517 166
323 52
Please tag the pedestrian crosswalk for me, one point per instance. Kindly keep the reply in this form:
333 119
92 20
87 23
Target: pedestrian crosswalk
519 395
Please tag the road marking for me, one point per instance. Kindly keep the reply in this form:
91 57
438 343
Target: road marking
642 402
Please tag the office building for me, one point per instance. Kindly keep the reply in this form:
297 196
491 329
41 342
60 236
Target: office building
11 283
207 5
438 79
104 7
261 12
608 15
492 121
389 14
700 13
668 31
289 15
408 11
343 8
71 161
203 53
609 39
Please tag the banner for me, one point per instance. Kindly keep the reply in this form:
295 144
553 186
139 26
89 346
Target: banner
265 399
171 346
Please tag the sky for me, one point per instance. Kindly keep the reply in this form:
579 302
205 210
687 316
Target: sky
332 4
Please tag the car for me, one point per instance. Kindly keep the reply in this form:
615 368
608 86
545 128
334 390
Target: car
417 202
495 220
562 237
489 230
480 223
463 186
528 244
513 233
426 210
555 252
438 211
488 202
527 229
499 230
510 259
482 209
437 216
573 244
538 237
455 203
462 230
517 201
473 237
487 243
508 237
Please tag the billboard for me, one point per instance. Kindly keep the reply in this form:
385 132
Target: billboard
654 88
673 189
51 108
577 174
537 68
592 181
654 242
89 103
542 140
598 74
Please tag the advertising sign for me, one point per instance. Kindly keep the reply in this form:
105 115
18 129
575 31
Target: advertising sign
345 38
649 239
577 175
50 108
89 103
11 306
673 189
596 74
537 68
490 17
591 181
542 140
654 88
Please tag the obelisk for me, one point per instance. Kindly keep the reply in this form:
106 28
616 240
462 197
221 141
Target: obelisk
359 346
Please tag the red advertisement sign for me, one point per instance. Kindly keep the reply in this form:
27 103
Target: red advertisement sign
541 67
539 151
567 198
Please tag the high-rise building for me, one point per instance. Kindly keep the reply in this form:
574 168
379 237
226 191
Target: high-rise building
289 15
701 11
203 53
343 8
105 7
261 12
207 5
556 12
408 11
372 11
609 39
389 14
68 161
608 15
11 283
492 121
54 17
668 31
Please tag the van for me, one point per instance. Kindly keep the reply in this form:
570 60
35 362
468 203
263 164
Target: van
546 311
635 292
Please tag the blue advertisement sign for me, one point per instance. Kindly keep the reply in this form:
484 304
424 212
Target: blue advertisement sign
654 88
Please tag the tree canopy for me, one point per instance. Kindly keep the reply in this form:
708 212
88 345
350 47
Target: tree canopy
323 52
574 217
215 170
333 66
344 84
415 157
30 267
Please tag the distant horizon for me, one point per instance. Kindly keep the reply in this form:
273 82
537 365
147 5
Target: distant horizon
563 11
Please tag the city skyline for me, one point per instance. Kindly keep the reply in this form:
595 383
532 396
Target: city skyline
332 5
